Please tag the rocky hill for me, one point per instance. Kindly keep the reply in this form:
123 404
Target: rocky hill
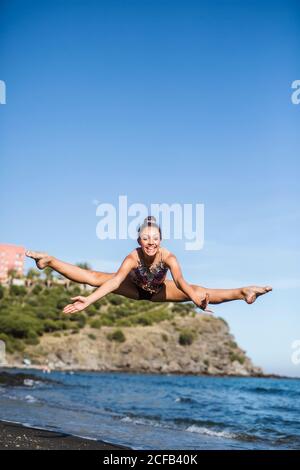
185 345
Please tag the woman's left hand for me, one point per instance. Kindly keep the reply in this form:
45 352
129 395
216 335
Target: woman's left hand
202 302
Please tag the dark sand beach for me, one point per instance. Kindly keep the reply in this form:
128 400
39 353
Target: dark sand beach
16 437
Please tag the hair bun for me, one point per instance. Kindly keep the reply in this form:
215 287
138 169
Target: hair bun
149 221
150 218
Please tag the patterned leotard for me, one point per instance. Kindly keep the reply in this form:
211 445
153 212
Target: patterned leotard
149 279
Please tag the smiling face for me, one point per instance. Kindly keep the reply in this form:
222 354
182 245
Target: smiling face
149 240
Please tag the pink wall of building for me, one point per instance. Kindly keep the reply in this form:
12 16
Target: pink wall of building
11 257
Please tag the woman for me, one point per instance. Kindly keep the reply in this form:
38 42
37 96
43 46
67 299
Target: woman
142 276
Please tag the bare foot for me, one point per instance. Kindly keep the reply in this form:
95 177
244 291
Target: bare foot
42 260
252 292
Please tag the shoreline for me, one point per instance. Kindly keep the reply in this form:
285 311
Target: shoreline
16 436
131 371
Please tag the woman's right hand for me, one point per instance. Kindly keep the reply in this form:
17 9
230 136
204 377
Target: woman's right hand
80 303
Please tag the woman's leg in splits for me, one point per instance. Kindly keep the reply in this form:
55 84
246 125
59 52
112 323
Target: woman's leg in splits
169 293
70 271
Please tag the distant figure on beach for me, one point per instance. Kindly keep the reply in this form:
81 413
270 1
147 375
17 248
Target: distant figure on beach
46 369
142 276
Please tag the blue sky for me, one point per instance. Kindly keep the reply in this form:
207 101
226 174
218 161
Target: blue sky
165 102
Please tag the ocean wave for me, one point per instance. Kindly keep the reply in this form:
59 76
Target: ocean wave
157 421
223 434
31 399
191 428
31 383
289 439
172 423
270 391
197 422
26 398
144 421
211 432
204 427
186 400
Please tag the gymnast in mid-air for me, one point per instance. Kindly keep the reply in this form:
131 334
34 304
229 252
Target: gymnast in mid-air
142 276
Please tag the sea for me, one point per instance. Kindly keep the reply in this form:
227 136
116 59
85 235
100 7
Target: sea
153 412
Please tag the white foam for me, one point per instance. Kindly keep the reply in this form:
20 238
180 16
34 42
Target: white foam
30 399
210 432
143 421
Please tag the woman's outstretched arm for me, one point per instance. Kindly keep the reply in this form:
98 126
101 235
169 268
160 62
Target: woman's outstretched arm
110 285
200 300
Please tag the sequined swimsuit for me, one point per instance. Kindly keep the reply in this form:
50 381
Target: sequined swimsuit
149 281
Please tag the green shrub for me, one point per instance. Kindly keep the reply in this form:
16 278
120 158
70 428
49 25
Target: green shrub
115 299
33 302
92 310
122 322
4 337
96 323
183 309
186 337
61 303
19 326
51 325
236 357
17 290
106 320
92 336
37 289
12 344
80 318
101 302
65 324
146 318
33 340
117 335
47 313
143 320
5 304
1 292
15 345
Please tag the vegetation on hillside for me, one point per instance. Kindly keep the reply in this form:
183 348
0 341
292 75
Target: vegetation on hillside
26 313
